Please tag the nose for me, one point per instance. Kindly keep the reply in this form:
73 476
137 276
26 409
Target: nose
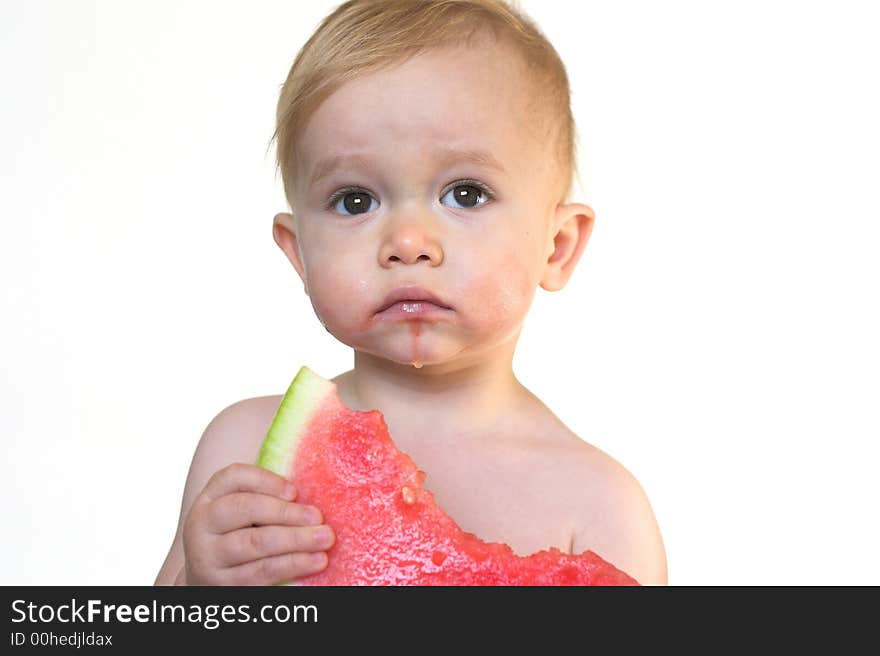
410 238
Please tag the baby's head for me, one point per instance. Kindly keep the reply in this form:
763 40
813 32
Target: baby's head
431 144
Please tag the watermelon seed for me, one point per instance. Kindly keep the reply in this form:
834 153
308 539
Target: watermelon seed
409 497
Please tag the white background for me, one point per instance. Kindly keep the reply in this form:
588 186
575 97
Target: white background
719 337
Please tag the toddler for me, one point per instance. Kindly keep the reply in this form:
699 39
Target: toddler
427 154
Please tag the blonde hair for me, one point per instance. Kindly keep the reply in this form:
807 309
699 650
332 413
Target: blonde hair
363 36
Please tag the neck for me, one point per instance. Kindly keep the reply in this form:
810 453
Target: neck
471 393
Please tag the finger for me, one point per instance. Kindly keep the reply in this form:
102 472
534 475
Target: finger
244 509
250 544
240 477
278 569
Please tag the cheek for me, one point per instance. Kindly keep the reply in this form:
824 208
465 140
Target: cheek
336 285
501 298
502 286
336 296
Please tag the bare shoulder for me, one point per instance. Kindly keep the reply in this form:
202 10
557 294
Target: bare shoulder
612 515
238 430
235 434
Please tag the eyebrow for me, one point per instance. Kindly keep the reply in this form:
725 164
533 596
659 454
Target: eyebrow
446 156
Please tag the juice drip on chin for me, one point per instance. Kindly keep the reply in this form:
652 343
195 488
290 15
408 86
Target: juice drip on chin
415 331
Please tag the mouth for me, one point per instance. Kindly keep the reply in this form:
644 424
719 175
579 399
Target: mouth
413 302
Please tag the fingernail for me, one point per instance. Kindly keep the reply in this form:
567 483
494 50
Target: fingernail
313 516
289 490
323 536
318 558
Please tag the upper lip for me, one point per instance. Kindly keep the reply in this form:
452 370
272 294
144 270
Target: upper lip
411 293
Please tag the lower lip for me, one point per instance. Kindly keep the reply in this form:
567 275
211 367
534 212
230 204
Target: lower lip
413 310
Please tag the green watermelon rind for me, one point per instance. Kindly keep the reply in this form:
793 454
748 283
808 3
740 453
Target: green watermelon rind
303 398
299 404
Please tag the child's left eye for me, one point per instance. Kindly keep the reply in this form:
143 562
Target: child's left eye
469 194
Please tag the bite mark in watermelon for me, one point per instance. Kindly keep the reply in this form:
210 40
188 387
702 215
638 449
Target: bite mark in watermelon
389 530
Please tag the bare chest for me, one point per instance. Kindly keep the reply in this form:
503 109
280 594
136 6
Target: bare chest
501 493
502 488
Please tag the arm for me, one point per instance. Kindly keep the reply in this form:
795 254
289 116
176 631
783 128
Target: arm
240 519
222 443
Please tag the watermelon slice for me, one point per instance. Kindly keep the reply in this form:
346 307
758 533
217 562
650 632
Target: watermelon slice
389 530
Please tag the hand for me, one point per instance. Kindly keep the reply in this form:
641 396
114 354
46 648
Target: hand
243 529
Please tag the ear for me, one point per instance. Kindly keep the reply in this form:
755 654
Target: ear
284 232
572 226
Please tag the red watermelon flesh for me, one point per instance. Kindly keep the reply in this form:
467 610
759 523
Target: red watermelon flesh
389 530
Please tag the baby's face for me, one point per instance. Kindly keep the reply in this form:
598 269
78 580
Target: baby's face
433 174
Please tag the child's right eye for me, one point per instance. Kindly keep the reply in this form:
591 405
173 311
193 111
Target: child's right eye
350 201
